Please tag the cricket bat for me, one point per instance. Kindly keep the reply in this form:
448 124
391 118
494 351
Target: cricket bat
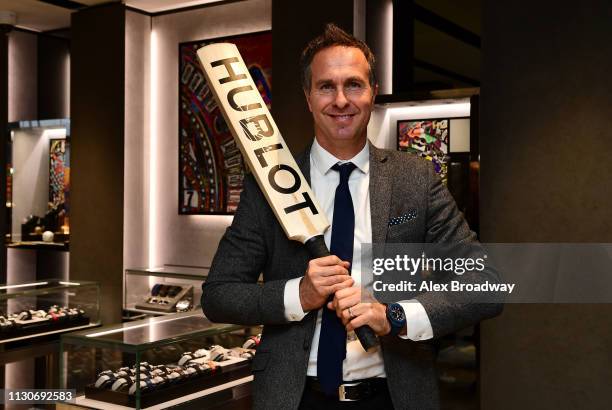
267 154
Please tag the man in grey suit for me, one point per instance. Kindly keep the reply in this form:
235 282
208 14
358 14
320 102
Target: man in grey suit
394 197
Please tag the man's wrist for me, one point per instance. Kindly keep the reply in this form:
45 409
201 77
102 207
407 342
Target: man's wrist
396 319
386 323
305 307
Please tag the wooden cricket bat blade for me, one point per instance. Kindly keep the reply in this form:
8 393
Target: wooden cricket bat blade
262 145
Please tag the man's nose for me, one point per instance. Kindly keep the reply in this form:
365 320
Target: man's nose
340 101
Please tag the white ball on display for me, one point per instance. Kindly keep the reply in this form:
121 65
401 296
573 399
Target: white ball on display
47 236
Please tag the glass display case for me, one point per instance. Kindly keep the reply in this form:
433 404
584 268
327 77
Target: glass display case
38 183
163 290
35 309
159 362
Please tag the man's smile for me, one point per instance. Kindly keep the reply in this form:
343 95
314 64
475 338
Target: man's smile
342 118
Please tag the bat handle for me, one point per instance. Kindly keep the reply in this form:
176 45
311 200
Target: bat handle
317 249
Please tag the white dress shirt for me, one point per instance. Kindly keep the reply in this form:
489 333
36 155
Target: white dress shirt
358 364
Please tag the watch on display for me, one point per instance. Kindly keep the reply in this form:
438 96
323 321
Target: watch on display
190 371
158 381
241 352
252 342
25 315
158 370
163 291
200 368
105 379
173 291
175 375
145 367
188 356
122 383
396 318
143 387
183 305
217 353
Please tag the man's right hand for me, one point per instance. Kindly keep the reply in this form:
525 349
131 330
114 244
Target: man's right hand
324 276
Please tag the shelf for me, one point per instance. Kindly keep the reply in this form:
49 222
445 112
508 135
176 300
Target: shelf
145 334
42 287
40 245
172 271
131 307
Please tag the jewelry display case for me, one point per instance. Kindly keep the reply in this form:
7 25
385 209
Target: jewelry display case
42 308
159 362
163 290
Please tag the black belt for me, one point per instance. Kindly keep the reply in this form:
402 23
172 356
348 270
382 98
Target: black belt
353 390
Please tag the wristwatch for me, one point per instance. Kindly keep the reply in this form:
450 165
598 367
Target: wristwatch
105 379
122 383
217 353
396 318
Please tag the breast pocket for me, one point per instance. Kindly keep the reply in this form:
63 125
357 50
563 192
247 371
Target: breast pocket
401 231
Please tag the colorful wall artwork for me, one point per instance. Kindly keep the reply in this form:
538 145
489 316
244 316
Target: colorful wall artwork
59 183
59 172
427 138
211 168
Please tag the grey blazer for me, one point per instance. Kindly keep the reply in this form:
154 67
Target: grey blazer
255 243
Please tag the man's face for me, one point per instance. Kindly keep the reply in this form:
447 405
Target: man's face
340 96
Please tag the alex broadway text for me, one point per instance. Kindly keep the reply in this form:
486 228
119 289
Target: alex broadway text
452 286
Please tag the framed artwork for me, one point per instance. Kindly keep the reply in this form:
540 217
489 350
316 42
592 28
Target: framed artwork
59 173
428 138
211 168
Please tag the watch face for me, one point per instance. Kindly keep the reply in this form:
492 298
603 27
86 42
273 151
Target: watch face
397 313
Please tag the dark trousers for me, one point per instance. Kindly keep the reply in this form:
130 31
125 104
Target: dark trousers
315 400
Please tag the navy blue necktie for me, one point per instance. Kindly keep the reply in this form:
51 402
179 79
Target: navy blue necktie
332 342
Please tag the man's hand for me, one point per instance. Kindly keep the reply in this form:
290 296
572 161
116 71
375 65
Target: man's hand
324 277
360 314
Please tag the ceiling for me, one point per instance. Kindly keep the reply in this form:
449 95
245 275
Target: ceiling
446 61
42 16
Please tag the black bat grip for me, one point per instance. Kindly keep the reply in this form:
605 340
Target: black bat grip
317 249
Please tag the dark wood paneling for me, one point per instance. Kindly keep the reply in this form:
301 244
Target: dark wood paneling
97 112
545 177
403 45
53 56
3 144
293 25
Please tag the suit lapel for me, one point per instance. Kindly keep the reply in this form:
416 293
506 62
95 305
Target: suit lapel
380 193
303 161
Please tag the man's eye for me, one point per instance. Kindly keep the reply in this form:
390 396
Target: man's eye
326 87
354 85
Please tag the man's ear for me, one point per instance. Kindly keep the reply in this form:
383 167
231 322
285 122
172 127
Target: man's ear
307 95
374 94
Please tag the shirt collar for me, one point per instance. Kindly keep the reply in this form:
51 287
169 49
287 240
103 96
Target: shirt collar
323 160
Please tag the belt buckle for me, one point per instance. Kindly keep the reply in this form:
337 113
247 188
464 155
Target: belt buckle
342 391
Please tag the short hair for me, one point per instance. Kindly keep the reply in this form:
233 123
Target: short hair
333 36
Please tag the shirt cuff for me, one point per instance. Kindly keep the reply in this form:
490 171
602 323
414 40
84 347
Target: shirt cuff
418 326
293 306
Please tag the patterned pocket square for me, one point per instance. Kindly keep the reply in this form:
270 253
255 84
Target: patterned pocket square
403 218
